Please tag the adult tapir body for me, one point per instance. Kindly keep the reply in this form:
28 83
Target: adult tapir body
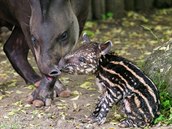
49 28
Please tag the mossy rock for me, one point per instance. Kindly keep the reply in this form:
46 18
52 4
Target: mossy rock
159 64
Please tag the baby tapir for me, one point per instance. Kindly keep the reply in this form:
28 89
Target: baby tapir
120 82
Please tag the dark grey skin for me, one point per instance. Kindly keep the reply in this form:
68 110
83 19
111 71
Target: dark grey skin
50 29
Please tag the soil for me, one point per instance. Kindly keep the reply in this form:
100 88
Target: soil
134 37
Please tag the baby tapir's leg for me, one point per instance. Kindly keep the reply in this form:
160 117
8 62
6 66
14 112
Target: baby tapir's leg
135 114
109 97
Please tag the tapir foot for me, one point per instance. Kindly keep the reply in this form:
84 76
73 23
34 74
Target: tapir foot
46 89
43 94
60 90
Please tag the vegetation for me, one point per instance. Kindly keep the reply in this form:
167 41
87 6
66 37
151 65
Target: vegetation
165 116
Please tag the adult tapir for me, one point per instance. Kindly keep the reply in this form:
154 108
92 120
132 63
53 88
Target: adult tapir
49 28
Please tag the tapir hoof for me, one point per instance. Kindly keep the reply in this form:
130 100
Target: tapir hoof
60 90
46 89
65 93
38 103
43 94
38 100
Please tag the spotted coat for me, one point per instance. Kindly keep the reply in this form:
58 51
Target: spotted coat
120 82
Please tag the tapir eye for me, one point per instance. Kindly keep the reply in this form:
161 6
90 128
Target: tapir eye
63 36
33 39
82 59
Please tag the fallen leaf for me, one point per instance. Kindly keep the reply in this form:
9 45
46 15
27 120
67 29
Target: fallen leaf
30 87
6 117
19 92
87 105
74 93
61 106
74 105
65 80
1 97
87 85
75 98
27 105
12 113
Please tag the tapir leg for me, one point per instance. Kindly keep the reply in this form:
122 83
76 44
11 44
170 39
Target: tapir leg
17 50
81 8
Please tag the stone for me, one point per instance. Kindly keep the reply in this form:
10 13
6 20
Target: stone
158 66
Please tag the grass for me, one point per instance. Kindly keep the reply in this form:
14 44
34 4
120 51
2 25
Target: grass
165 116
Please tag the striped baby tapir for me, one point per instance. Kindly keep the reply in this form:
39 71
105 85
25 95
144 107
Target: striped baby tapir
120 82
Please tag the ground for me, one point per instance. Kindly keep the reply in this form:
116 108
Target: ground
133 37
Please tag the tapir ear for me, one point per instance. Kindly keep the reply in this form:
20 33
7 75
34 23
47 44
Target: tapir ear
85 38
105 47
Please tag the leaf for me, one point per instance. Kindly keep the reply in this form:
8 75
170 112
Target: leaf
62 100
27 105
30 87
61 106
18 103
23 111
158 28
160 118
75 106
1 97
75 98
74 93
34 112
87 85
19 92
6 117
87 105
166 104
13 84
12 113
65 80
9 92
170 117
63 115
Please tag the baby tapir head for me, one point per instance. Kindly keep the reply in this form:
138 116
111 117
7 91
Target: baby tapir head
85 59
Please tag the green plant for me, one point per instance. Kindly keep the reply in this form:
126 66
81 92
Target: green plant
107 16
165 116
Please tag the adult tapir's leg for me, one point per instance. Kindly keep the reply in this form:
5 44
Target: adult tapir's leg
16 50
81 8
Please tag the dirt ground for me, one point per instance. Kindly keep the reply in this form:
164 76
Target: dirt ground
134 37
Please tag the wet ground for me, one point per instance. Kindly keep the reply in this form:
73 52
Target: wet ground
134 37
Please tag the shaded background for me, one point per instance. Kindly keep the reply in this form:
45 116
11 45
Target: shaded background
100 9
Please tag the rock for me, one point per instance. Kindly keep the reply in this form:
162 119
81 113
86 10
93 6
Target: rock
158 66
